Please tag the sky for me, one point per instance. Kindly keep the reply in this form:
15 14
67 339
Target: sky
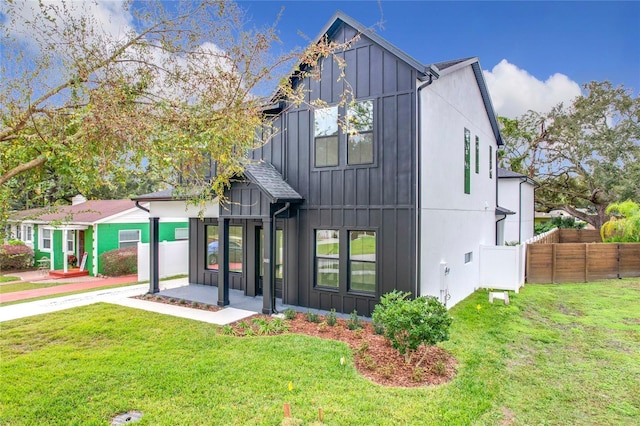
534 54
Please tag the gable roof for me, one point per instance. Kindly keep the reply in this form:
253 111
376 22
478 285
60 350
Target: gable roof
270 182
425 72
340 17
88 212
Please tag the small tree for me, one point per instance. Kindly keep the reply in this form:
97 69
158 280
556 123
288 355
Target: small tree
625 228
409 323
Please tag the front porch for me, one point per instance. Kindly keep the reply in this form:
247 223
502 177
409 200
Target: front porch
207 294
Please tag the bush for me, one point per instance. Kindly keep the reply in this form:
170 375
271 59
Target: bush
118 262
15 243
16 256
408 323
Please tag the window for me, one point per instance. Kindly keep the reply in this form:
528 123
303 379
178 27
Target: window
18 232
181 234
212 247
477 155
490 162
128 238
71 241
27 233
360 133
468 257
326 137
362 261
327 258
467 161
279 248
45 239
235 248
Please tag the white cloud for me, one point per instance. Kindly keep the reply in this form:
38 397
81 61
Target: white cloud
514 91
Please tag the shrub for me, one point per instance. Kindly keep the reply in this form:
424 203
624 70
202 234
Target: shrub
118 262
408 323
15 243
354 323
312 317
289 314
17 256
331 318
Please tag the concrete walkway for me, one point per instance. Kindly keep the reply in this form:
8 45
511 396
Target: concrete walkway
120 296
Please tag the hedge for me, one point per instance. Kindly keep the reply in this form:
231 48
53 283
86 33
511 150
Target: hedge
118 262
16 256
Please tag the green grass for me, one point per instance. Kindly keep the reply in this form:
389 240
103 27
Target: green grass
8 278
559 354
21 286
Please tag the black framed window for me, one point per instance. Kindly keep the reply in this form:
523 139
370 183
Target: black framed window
212 247
360 132
327 258
477 154
362 261
235 248
326 137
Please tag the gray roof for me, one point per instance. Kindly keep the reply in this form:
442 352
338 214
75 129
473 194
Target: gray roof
271 183
503 211
510 174
164 195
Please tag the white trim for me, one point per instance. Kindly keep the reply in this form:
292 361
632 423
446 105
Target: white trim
120 240
122 213
41 239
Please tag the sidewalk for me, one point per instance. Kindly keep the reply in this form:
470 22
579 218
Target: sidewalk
121 296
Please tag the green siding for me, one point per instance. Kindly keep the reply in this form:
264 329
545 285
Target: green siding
88 247
38 254
167 230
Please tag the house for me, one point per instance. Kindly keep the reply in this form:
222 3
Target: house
328 219
516 192
91 227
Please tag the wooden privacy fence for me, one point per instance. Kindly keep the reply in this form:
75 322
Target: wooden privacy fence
581 262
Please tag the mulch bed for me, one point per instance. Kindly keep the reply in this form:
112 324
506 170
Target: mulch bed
374 356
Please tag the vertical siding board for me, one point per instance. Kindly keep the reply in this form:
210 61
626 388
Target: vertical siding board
362 72
363 185
405 148
326 79
304 146
377 74
337 187
350 183
389 150
389 73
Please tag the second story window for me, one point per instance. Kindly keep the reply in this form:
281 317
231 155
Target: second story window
360 132
326 137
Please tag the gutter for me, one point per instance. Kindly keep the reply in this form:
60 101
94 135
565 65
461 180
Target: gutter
431 73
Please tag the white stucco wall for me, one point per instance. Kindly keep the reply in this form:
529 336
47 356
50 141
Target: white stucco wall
454 223
519 199
181 209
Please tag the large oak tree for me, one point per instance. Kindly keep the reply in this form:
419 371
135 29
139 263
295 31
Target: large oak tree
160 90
585 155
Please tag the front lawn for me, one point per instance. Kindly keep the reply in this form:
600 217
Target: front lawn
561 354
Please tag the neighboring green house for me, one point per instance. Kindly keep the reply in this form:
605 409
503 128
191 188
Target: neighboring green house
91 227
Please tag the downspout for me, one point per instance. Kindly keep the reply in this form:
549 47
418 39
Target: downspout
272 263
497 222
416 292
520 211
142 208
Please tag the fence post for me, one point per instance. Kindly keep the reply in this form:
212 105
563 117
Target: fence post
586 263
553 263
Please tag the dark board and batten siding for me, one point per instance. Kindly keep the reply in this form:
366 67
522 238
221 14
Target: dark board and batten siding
378 197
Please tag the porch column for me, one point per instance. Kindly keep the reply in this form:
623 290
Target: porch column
223 262
65 259
267 279
154 266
